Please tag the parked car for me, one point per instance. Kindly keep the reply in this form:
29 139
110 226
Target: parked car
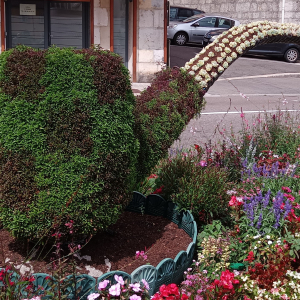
178 13
289 51
193 29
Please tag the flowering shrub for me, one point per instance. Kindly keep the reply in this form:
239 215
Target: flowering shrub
169 292
121 290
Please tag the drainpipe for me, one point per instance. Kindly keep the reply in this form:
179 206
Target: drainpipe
282 11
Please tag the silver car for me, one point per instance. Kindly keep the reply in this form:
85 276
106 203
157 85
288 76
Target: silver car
193 29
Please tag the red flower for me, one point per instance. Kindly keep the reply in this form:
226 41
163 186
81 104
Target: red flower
250 257
159 190
152 176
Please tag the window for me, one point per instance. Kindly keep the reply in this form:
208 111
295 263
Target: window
225 23
207 22
173 12
184 13
198 12
42 23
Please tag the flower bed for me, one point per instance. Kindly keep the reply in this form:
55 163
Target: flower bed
166 272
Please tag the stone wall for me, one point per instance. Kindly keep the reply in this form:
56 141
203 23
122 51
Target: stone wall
248 10
150 45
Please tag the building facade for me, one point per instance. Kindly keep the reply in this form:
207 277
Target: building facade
134 29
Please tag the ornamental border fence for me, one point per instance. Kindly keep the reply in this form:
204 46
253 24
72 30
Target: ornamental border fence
166 272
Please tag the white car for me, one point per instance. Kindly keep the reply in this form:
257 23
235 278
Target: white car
193 29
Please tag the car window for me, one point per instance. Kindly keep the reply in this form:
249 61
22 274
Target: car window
197 12
173 11
225 23
184 13
193 18
207 22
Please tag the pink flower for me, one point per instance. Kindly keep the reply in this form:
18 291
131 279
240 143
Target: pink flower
115 290
286 189
203 163
145 283
135 297
93 296
135 287
119 279
103 284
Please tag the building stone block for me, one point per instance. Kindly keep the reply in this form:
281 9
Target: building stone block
158 56
157 4
151 39
104 37
97 3
146 56
104 3
97 35
144 4
146 71
101 17
158 19
146 18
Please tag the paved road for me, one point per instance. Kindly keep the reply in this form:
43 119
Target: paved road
252 85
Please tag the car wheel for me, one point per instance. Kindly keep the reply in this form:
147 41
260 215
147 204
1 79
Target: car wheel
291 55
181 39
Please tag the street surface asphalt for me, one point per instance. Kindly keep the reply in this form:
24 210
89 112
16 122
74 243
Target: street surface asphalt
250 85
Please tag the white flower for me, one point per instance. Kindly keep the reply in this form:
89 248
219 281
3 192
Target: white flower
223 54
269 242
202 72
227 50
200 63
211 54
192 73
208 67
198 78
233 44
225 41
268 237
233 55
218 49
195 67
205 58
229 59
220 69
214 63
219 59
214 74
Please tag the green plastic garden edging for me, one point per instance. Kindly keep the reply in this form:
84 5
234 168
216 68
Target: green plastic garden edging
167 271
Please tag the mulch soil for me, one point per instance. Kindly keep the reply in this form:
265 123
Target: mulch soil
157 236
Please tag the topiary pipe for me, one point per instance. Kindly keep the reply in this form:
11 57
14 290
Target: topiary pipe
73 139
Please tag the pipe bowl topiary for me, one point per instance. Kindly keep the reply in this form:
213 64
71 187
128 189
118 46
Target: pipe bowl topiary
74 141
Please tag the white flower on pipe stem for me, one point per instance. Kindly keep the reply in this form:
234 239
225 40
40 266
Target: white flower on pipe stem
202 72
229 59
200 63
214 64
208 67
219 59
218 49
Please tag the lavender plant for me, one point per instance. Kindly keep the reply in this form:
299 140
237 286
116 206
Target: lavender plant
264 215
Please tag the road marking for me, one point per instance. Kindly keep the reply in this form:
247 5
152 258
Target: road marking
247 111
262 76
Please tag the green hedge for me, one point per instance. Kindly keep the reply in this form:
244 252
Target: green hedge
74 141
68 150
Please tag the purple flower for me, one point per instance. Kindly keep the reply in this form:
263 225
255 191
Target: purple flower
119 279
135 287
103 284
93 296
135 297
115 290
145 283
